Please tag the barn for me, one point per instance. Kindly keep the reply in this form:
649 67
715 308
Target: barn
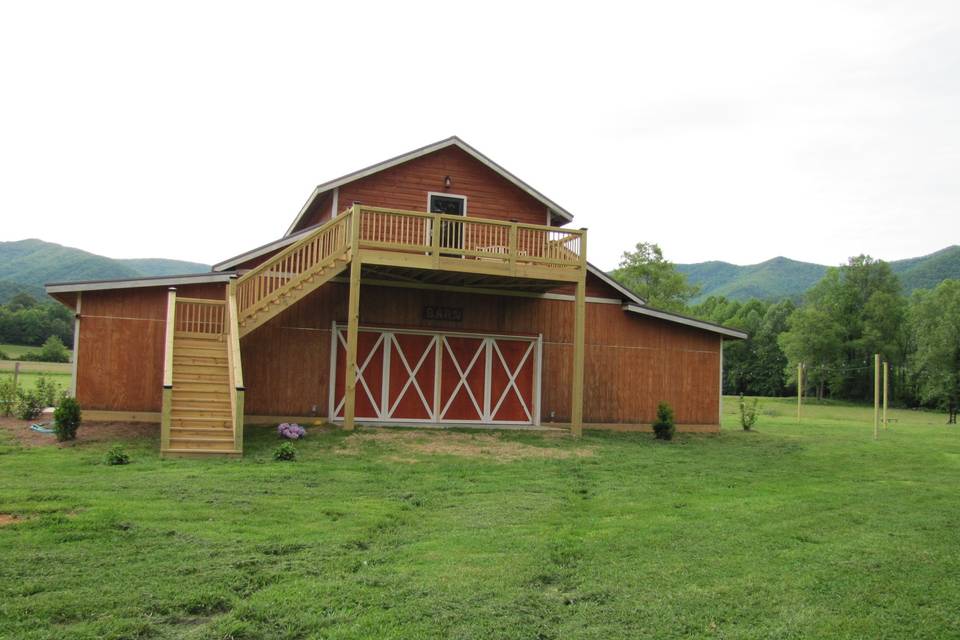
432 288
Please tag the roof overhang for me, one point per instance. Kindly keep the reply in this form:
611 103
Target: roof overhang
280 243
629 295
134 283
690 322
452 141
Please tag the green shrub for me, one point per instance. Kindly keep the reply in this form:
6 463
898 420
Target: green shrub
29 404
663 427
748 413
116 455
8 396
50 392
67 419
53 350
285 452
4 355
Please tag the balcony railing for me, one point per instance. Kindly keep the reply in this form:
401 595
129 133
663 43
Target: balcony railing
433 235
464 237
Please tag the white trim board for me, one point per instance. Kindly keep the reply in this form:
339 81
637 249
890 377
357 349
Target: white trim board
690 322
133 283
452 141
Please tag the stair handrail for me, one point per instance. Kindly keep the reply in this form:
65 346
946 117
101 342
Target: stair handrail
321 246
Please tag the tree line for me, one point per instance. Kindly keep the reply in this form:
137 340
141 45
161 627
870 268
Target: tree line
856 310
25 320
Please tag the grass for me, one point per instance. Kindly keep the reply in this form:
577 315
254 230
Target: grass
786 532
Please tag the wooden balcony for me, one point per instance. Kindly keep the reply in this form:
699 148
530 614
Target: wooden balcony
470 245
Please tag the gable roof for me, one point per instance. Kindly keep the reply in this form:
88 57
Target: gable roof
452 141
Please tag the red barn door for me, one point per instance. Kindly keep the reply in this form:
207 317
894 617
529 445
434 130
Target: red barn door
418 376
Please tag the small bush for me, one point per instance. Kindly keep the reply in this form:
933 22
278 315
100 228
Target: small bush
291 431
116 455
663 427
4 355
50 392
29 405
8 397
748 413
67 419
53 350
285 452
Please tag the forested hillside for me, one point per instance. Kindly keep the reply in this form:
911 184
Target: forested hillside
785 278
26 265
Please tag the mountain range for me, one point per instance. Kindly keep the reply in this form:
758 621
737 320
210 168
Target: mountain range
785 278
26 265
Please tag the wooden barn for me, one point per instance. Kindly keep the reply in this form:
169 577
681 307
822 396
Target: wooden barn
435 287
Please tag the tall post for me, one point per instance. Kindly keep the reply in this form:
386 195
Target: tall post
76 346
353 323
876 396
886 391
167 400
799 390
579 332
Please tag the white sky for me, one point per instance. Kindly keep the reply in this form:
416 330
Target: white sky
735 131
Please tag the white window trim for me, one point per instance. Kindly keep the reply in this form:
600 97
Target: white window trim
442 194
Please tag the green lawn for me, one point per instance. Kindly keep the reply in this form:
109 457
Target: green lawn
809 531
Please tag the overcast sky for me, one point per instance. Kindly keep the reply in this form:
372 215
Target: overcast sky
721 130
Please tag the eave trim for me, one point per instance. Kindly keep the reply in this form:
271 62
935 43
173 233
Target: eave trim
690 322
133 283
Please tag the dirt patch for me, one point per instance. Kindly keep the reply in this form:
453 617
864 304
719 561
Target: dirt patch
479 445
8 519
21 433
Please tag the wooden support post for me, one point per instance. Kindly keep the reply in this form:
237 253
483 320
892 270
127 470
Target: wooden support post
576 392
16 374
167 401
76 346
799 390
886 391
353 325
876 396
436 227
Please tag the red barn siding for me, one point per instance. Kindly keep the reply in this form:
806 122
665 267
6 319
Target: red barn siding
120 353
405 186
632 362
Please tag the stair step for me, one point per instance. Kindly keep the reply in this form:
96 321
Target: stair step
199 361
200 453
208 421
180 413
204 404
201 386
199 396
200 432
193 376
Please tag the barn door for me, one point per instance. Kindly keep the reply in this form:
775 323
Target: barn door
414 376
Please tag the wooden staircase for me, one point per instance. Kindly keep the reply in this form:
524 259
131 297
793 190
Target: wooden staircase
201 416
203 393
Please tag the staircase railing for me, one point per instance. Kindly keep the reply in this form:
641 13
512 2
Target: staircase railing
281 272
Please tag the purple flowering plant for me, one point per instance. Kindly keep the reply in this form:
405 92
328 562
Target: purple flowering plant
291 431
